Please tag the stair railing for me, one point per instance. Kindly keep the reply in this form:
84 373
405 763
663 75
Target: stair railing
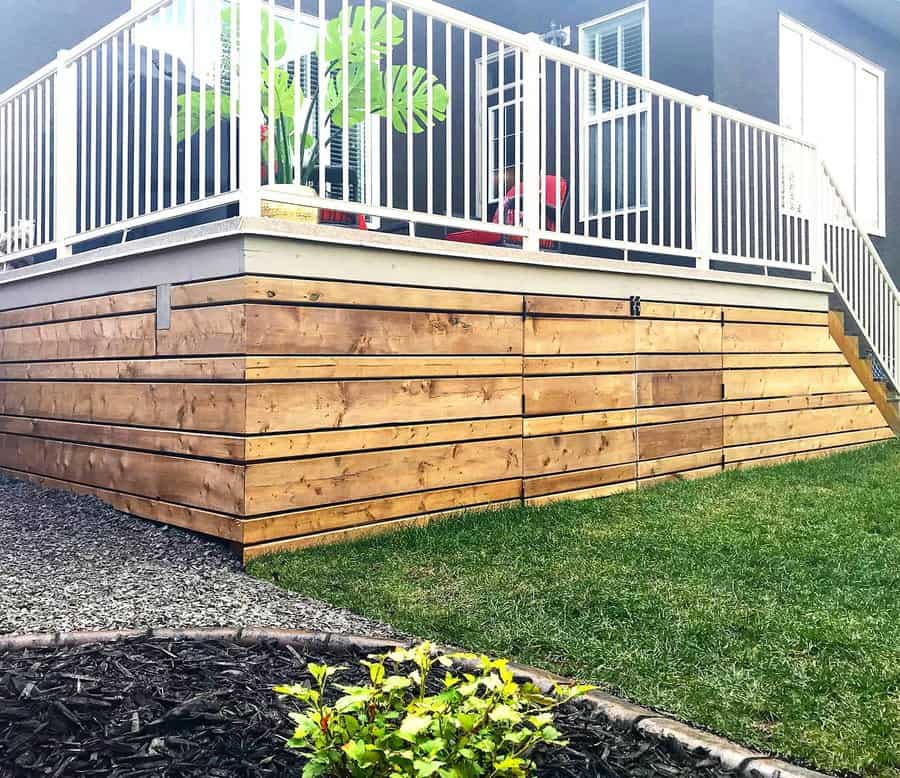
854 267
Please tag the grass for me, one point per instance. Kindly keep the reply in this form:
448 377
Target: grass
763 605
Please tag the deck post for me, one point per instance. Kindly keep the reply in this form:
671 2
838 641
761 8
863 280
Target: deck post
702 153
65 127
250 97
531 125
816 225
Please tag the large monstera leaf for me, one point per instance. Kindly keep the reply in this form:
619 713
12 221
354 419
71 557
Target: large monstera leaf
358 106
412 85
383 32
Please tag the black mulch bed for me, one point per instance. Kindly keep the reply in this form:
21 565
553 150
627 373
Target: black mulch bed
160 708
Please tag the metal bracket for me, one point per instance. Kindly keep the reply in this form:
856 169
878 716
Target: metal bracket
635 303
163 306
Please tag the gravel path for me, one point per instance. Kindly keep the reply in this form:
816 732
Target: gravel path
70 562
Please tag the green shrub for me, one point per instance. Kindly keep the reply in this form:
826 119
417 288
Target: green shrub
479 723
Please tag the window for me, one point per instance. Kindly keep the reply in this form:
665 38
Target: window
836 99
614 116
501 166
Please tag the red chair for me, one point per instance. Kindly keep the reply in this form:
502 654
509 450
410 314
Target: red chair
485 238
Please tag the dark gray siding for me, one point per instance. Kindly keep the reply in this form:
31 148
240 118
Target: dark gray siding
746 74
34 30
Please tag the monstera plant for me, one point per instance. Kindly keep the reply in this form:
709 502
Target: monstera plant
361 39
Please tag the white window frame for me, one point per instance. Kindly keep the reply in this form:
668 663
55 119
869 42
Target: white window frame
860 65
587 120
485 143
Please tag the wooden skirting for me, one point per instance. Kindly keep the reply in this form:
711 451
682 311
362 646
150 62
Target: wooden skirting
279 413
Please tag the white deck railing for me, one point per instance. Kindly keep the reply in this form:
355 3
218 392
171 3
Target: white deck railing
425 120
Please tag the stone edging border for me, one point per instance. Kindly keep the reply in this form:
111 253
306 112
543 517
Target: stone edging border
752 764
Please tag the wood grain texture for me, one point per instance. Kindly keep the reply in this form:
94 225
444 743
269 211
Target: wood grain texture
353 514
578 422
207 522
784 382
337 404
667 440
302 291
362 531
371 438
581 479
197 407
759 428
535 366
174 369
815 443
678 388
594 493
88 308
224 447
282 486
282 413
197 483
578 451
659 336
586 336
775 316
117 336
281 329
425 366
577 393
778 338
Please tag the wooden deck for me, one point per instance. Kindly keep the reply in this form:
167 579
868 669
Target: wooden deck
279 412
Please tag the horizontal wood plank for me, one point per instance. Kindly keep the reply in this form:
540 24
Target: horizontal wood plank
535 366
651 468
652 363
116 336
582 479
359 532
679 388
578 451
736 361
371 438
225 447
281 329
295 407
778 338
777 448
578 422
775 316
683 475
214 486
760 428
543 305
550 336
593 493
191 406
281 486
668 440
424 366
87 308
659 336
196 369
302 291
353 514
577 393
784 382
206 522
680 311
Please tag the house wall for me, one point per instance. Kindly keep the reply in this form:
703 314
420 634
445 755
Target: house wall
746 75
34 30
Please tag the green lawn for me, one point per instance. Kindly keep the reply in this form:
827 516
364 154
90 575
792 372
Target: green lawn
764 605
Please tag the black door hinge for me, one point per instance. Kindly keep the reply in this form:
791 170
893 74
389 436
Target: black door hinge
635 306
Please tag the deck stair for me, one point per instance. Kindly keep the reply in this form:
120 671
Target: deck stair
865 367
